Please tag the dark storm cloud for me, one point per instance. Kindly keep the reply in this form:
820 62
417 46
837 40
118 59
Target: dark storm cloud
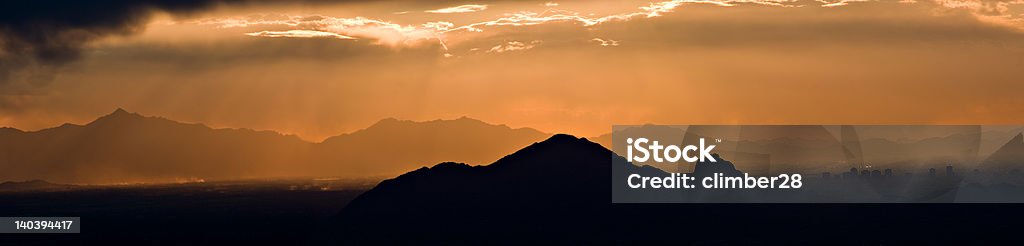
37 37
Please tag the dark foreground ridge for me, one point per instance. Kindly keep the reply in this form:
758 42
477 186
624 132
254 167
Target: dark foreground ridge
547 190
559 190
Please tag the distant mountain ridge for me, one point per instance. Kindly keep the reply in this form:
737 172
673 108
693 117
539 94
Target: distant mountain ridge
124 147
410 145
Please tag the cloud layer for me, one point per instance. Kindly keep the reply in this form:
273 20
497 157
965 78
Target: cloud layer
395 34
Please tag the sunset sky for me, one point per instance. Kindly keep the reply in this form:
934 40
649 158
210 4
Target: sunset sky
322 68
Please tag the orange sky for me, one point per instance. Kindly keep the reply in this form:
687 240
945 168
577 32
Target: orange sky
576 67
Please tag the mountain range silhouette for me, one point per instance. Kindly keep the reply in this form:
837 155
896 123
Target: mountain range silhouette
125 147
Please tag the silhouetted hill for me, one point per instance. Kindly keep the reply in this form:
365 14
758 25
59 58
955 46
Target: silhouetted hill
128 147
538 167
559 180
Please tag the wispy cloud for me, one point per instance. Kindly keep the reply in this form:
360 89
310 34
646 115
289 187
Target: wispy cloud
298 34
605 42
382 32
837 3
469 8
514 46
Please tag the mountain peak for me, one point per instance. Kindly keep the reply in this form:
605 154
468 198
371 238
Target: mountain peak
388 120
559 148
119 113
562 137
122 118
468 119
